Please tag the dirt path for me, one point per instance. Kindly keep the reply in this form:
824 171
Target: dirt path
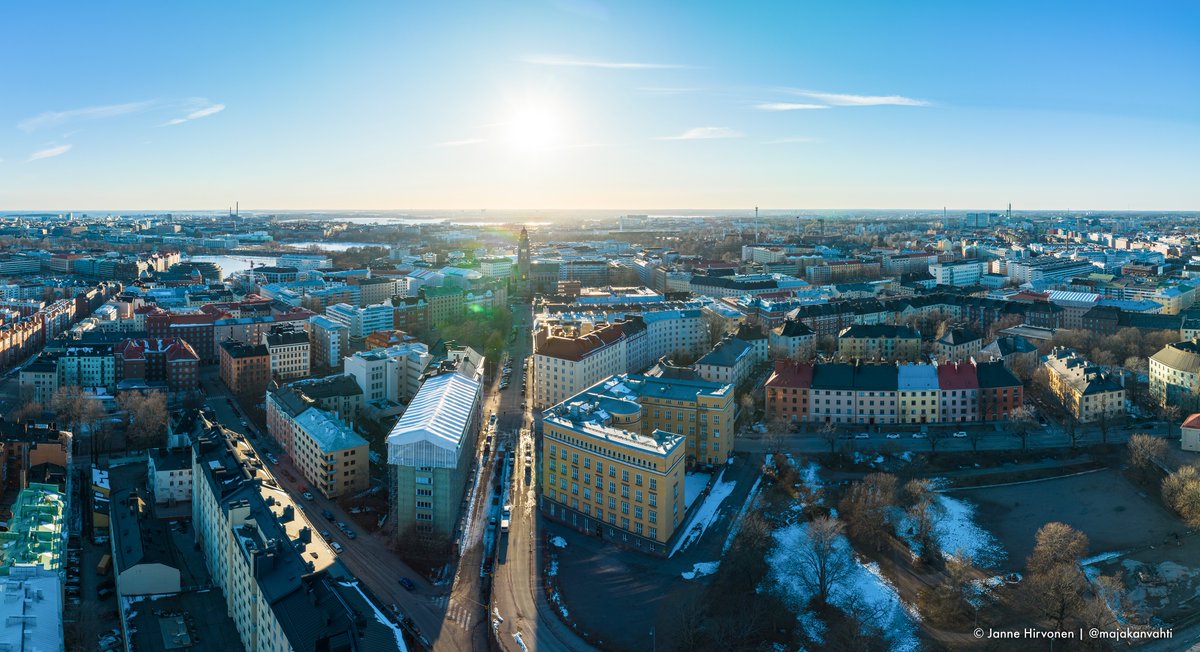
893 563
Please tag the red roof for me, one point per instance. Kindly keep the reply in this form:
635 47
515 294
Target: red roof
959 375
789 373
578 348
1192 422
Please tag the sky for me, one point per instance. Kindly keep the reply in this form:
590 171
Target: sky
608 105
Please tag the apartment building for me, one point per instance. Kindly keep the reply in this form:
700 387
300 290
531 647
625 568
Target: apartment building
283 586
570 358
962 273
327 341
918 393
245 368
158 360
729 362
1086 391
288 347
429 452
879 342
792 339
606 470
958 344
1175 375
392 374
361 322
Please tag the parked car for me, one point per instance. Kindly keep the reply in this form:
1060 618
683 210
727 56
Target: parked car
893 435
327 535
918 435
408 584
960 435
307 495
337 547
862 435
327 514
104 593
350 534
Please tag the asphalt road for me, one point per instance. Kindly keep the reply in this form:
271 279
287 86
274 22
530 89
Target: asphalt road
367 557
989 437
522 618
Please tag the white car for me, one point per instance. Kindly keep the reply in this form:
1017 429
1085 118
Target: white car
862 435
893 435
960 435
918 435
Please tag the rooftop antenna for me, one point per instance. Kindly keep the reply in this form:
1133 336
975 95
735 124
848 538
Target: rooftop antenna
1008 213
756 225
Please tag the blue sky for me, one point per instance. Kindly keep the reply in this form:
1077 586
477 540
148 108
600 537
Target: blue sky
590 104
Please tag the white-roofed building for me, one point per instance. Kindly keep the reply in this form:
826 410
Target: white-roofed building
918 393
429 452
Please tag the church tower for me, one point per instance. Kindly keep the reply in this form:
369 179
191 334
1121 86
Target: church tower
523 260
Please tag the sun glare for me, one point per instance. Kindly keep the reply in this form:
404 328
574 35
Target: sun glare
534 126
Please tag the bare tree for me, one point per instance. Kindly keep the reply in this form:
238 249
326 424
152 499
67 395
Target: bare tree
147 418
1022 420
924 512
74 408
949 601
935 437
1181 492
822 560
28 410
829 433
1058 592
865 508
1056 585
975 435
1146 452
1056 543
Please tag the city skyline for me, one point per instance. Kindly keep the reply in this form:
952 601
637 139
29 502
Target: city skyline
574 104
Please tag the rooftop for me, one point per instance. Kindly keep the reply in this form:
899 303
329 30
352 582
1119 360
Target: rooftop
439 413
327 431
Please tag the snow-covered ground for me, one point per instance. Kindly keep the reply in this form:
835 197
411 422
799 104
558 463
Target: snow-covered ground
700 569
558 542
737 518
705 514
957 533
693 484
865 583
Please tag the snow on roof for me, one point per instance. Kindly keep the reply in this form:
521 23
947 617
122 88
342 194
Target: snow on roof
439 413
328 433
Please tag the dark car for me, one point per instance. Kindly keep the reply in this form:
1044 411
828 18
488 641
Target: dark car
408 584
327 514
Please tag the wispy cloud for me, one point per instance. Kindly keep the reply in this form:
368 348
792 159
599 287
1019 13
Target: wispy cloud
50 152
791 139
197 114
788 106
54 118
460 143
667 90
704 133
844 99
554 60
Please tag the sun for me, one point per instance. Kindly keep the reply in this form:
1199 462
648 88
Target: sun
534 125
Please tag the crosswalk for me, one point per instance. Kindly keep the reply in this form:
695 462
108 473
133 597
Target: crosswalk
456 612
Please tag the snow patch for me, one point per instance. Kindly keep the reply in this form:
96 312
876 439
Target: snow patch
737 519
693 484
1100 558
700 569
706 514
553 570
558 542
956 533
380 616
865 583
